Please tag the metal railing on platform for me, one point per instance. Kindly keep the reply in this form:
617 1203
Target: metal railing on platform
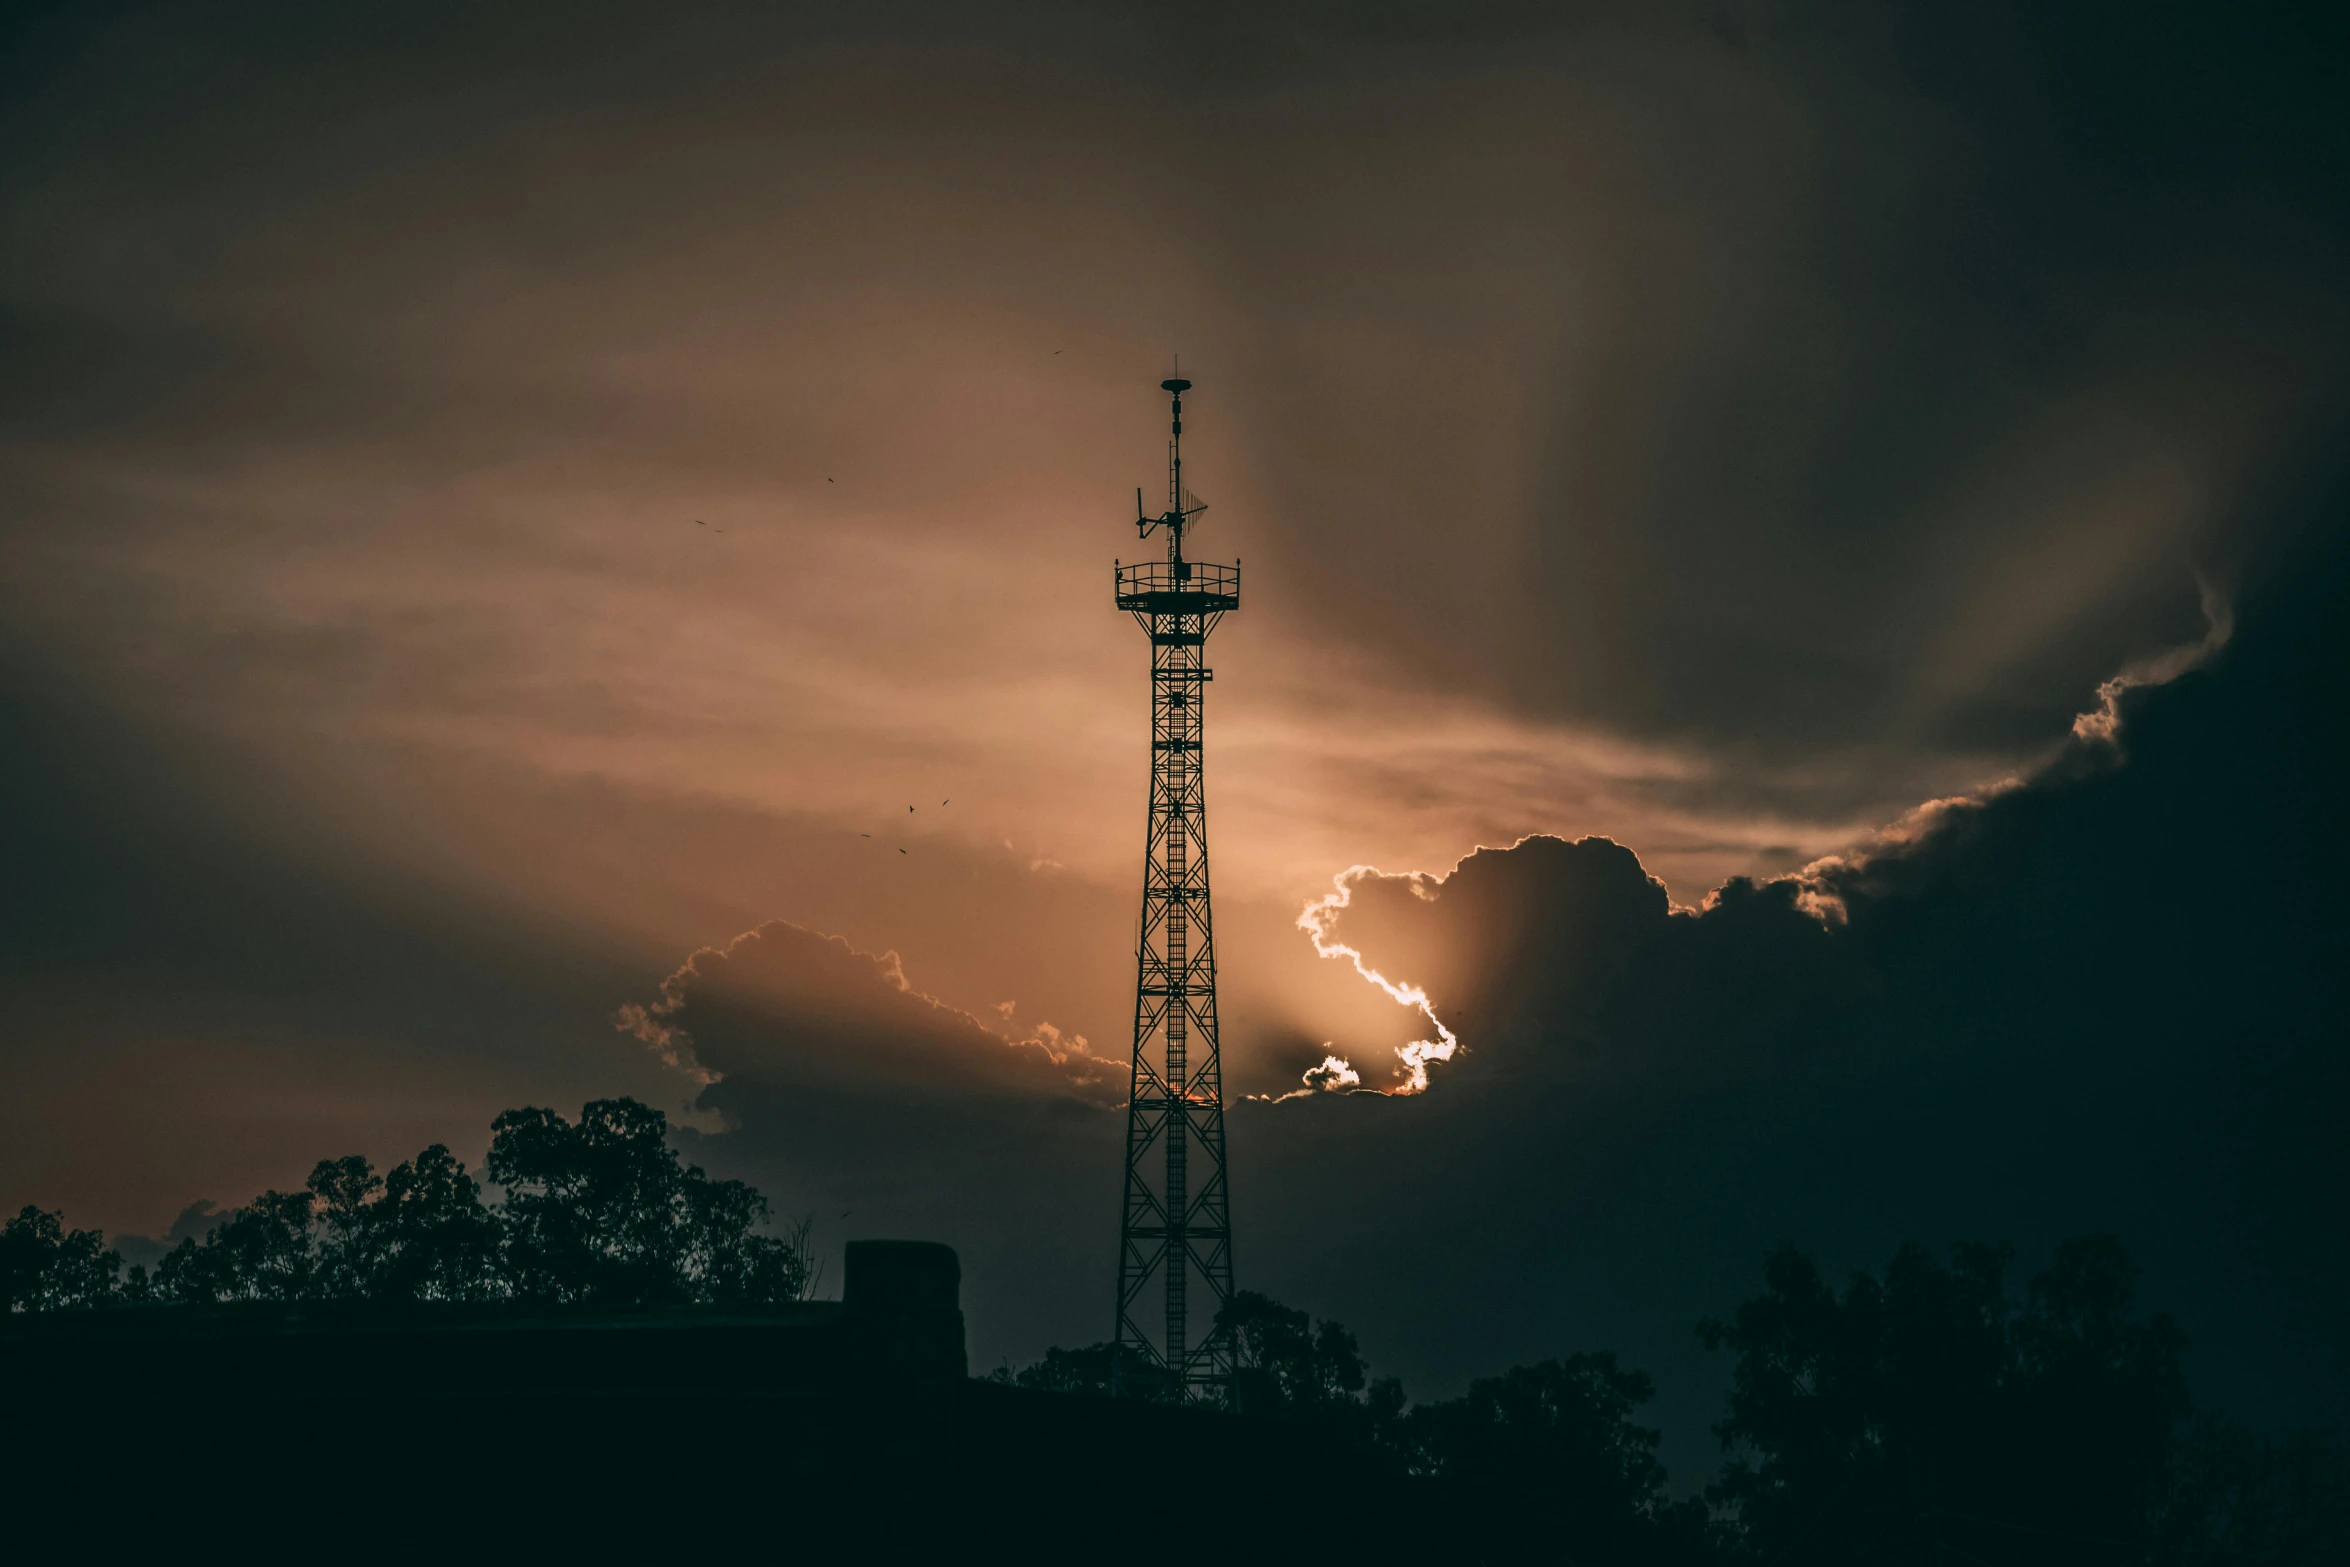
1168 586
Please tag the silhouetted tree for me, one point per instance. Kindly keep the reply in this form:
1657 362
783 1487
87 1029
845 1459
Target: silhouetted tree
1102 1370
1549 1455
1285 1363
46 1267
427 1237
1084 1372
419 1234
2237 1499
604 1211
1556 1441
343 1194
725 1258
260 1252
1927 1414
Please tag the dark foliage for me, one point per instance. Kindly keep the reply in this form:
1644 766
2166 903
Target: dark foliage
1283 1363
263 1251
46 1267
604 1211
2239 1500
1086 1372
600 1213
1922 1414
1552 1451
1929 1415
427 1237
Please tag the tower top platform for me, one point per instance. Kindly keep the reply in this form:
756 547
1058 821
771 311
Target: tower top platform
1179 587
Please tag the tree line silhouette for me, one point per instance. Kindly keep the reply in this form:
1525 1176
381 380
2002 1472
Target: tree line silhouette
1927 1412
595 1213
1923 1414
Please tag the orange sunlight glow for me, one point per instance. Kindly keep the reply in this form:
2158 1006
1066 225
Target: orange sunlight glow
1335 1074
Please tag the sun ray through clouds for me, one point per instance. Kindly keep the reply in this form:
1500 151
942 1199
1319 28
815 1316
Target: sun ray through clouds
1335 1074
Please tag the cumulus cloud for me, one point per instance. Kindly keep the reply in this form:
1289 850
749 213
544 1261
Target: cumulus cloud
1564 950
827 1076
1073 1053
785 1003
1331 1075
1616 946
2092 995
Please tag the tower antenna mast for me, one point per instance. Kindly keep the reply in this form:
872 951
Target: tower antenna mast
1175 1228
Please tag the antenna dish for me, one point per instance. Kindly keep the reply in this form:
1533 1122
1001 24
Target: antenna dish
1178 384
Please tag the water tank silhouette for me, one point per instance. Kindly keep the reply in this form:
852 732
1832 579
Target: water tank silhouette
903 1301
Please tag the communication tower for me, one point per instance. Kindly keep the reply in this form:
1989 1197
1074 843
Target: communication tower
1177 1220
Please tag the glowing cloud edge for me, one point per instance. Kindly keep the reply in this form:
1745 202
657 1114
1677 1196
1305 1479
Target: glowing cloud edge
1335 1074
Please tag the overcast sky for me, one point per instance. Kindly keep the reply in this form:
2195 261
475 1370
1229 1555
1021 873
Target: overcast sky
495 502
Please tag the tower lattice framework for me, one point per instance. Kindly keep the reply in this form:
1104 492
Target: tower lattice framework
1176 1228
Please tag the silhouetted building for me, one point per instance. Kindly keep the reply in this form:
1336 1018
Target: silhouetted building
320 1432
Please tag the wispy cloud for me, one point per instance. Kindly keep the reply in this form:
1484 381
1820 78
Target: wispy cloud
1333 1076
2103 722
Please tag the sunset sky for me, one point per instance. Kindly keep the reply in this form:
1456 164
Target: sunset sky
504 509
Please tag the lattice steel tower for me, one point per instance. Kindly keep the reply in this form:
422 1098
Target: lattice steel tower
1177 1224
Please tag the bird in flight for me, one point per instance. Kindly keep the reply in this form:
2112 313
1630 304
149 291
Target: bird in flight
864 835
901 851
942 802
829 479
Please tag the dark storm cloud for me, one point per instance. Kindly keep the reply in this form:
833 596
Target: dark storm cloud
793 1009
1574 946
887 1112
2097 998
